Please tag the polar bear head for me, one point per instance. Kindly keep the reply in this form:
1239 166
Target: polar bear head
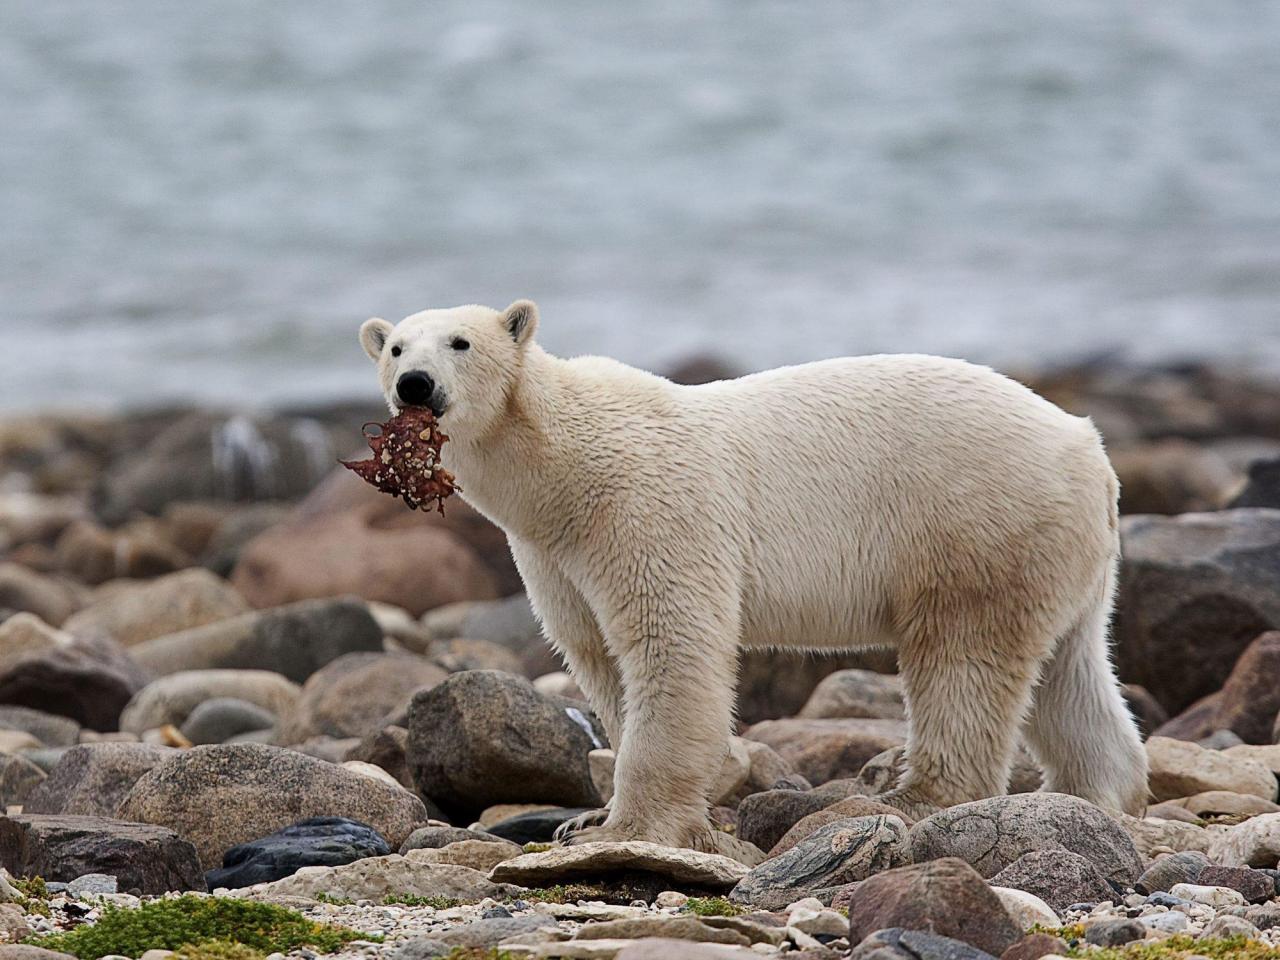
460 362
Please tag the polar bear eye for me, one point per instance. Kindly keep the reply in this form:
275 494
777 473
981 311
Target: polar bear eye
460 344
395 351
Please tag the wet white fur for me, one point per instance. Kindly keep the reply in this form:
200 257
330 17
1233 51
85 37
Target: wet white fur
915 501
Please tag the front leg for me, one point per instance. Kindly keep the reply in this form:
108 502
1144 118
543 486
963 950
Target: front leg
676 645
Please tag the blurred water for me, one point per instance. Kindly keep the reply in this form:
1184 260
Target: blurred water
204 200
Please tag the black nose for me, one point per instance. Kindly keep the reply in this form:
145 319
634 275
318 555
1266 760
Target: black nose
415 388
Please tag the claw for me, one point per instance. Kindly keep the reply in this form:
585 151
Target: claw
574 825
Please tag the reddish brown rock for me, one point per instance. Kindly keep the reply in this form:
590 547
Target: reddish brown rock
829 749
945 896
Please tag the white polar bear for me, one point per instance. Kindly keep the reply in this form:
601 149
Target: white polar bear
914 501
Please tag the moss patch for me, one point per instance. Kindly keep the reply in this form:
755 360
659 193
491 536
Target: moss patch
1180 947
218 950
408 900
479 953
538 847
192 921
713 907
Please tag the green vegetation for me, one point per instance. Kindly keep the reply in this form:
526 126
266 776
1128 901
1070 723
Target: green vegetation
538 847
713 907
409 900
336 901
218 925
479 953
561 893
218 950
1179 948
33 895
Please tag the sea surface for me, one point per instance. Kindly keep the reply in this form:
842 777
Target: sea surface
201 201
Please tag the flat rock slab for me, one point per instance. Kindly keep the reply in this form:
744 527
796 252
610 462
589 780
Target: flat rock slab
315 842
149 859
708 870
376 877
673 928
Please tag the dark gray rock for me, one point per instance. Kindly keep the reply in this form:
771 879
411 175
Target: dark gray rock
18 777
89 681
1058 877
485 737
991 834
220 719
536 826
1263 486
91 779
765 817
316 842
49 728
896 943
421 948
841 852
1169 869
1114 933
1195 590
294 640
1254 885
944 897
436 837
143 858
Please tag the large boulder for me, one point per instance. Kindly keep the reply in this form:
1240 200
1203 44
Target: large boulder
484 737
88 679
220 796
294 640
856 693
1058 877
357 695
413 566
844 851
945 897
171 699
316 842
1195 590
134 612
1179 768
829 749
91 779
991 834
148 859
1250 699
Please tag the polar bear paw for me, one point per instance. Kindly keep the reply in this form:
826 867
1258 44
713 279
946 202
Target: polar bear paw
913 803
568 831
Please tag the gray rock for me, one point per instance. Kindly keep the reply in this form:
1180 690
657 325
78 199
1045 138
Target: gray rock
356 695
896 943
485 737
294 640
1167 870
421 948
433 838
488 933
764 818
91 779
991 834
376 877
385 748
830 749
1114 933
49 728
1058 877
510 623
171 699
220 719
687 928
220 796
1195 589
1262 489
18 777
841 852
93 885
145 858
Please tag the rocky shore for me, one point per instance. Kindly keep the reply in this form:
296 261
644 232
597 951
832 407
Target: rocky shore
249 707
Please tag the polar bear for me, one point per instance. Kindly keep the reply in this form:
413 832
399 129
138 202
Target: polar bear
915 501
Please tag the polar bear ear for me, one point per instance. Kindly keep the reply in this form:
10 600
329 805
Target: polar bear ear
521 319
373 336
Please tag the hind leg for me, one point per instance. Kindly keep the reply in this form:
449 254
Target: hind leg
967 691
1080 729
